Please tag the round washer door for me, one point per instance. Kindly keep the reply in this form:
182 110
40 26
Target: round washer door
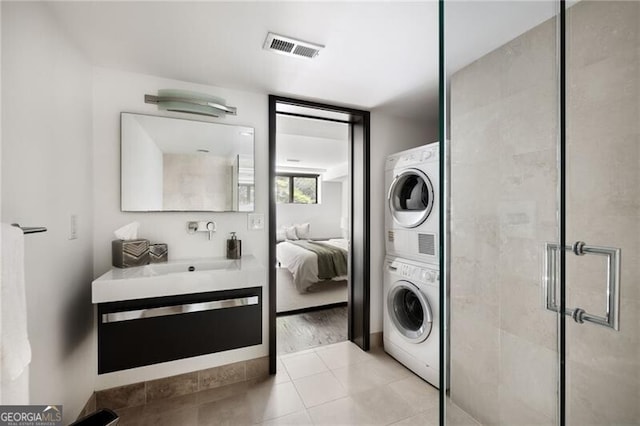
409 311
410 198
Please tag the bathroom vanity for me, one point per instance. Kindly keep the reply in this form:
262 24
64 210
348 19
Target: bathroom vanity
180 309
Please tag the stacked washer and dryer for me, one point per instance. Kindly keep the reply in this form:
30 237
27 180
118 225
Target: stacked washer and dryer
411 271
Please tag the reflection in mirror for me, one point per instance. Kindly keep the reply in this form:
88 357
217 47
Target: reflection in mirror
171 164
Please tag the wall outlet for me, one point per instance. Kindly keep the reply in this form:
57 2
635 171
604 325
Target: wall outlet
73 226
255 221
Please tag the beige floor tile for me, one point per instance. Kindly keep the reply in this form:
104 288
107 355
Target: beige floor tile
416 392
343 411
429 417
384 405
269 400
300 418
342 354
456 416
303 365
230 411
281 375
319 388
391 369
184 417
379 371
358 378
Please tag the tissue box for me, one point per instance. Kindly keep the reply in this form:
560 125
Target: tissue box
127 253
158 253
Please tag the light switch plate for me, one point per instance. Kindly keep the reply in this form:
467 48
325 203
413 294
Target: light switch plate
73 226
255 221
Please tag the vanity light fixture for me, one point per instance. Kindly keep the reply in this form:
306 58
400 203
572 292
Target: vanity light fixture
190 102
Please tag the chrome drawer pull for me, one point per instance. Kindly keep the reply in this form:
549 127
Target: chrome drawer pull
579 248
164 311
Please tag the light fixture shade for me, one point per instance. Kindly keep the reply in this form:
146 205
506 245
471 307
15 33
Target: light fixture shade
190 102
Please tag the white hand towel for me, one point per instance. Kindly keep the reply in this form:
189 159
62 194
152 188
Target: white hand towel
15 350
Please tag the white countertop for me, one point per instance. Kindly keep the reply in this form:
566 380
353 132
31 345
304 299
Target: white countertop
173 278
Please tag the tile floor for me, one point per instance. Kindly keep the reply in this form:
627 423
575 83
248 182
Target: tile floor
331 385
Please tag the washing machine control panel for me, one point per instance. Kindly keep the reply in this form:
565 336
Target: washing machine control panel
416 273
412 157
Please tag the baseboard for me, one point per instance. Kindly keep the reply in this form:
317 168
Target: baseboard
376 340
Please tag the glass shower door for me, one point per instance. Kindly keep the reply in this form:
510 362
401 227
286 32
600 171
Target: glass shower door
503 164
603 210
543 203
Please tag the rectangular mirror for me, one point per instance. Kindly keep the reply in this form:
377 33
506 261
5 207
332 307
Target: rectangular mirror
171 164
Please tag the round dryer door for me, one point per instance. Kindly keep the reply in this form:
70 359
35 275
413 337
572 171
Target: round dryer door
411 198
409 311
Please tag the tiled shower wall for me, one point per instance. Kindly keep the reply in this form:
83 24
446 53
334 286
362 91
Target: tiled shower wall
603 207
504 124
503 209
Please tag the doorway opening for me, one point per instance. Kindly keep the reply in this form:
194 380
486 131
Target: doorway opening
318 225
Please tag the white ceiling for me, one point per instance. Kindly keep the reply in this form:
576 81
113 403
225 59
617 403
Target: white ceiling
316 144
378 54
372 57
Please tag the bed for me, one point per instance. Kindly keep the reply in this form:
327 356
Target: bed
311 262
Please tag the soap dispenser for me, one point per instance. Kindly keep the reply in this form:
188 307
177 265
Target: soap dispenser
234 247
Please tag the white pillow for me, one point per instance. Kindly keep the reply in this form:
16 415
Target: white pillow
281 235
302 231
290 232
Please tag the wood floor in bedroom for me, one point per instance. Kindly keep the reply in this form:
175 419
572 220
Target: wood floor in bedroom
311 329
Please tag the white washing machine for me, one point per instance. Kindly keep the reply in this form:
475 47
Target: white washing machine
411 327
411 215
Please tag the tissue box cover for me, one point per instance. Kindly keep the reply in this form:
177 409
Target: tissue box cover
158 253
127 253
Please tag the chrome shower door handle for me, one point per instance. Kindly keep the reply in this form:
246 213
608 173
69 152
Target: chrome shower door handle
611 318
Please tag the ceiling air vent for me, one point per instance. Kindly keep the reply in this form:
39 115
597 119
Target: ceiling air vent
291 47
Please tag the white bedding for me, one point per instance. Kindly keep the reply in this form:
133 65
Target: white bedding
303 264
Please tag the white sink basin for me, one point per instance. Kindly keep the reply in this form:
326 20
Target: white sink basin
177 277
193 266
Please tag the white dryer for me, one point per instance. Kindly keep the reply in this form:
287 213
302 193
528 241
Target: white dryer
411 327
411 215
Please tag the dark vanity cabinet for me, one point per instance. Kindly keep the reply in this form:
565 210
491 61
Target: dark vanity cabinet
134 333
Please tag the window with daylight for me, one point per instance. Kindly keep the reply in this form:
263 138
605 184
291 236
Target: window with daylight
296 189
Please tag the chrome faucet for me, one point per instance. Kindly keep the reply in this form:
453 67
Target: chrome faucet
202 226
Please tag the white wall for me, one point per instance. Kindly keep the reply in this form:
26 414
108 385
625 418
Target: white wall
46 176
324 217
1 398
117 91
388 135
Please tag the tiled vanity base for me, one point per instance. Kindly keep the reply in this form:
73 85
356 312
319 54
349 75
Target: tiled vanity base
188 385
